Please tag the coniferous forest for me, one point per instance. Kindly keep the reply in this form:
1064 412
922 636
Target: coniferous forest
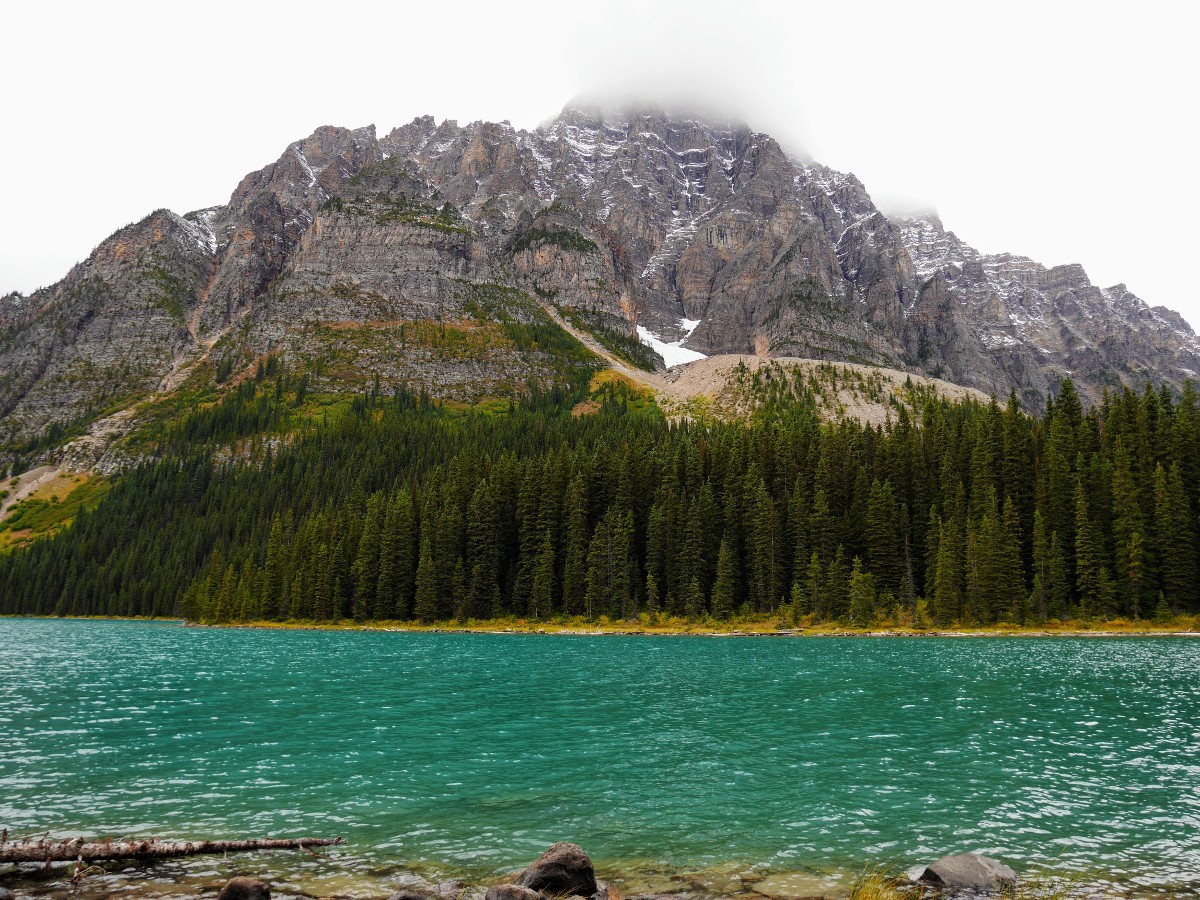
404 509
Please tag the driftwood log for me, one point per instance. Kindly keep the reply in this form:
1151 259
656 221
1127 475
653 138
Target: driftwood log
43 849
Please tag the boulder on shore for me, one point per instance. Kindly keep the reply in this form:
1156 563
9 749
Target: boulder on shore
562 870
968 872
242 888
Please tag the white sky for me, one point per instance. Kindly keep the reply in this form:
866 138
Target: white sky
1062 131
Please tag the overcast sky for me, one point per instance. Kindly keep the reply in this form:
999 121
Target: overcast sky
1061 131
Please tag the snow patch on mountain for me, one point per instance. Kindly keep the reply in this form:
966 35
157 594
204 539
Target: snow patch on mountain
673 353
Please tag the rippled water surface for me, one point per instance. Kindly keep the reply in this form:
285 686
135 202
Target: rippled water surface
470 753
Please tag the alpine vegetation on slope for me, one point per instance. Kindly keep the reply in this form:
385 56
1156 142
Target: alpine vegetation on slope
703 238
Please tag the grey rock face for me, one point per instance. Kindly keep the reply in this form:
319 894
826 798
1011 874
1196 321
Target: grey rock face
637 217
107 332
562 870
969 871
1001 321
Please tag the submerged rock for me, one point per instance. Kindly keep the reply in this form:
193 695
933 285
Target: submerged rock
968 871
408 895
242 888
562 870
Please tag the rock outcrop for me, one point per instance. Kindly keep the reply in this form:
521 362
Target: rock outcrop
415 256
968 872
562 870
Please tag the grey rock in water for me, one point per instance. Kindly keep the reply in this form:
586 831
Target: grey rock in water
6 894
242 888
968 871
563 869
512 892
408 895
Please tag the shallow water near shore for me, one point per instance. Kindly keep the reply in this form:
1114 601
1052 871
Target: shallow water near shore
783 767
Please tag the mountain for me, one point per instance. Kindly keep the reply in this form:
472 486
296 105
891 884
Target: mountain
436 256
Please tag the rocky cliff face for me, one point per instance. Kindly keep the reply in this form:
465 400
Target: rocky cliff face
1006 320
349 245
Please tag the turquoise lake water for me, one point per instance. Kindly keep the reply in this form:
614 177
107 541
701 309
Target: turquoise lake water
468 754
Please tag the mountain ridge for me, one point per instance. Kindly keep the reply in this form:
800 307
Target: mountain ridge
623 219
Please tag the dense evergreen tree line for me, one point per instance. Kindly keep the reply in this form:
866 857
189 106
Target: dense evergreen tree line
960 512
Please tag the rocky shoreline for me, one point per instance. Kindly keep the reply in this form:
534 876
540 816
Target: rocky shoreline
563 872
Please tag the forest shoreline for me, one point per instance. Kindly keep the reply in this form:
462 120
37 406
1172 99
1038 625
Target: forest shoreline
1183 627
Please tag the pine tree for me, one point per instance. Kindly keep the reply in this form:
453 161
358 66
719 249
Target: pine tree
653 604
1087 565
223 603
723 588
425 601
1176 538
542 594
814 581
272 580
458 589
575 515
834 589
387 584
407 536
598 589
1134 572
821 529
765 550
1127 521
483 551
625 577
884 556
365 570
862 596
1058 580
948 587
246 604
1012 598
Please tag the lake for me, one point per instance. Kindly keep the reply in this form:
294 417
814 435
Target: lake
664 757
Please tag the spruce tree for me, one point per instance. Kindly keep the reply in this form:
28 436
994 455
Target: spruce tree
273 601
575 516
948 578
387 584
884 550
862 596
425 601
365 569
723 588
834 590
1087 563
542 593
1176 539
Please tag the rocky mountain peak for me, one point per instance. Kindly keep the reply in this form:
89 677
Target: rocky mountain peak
681 227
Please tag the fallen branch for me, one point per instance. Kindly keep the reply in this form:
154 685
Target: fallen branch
45 850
